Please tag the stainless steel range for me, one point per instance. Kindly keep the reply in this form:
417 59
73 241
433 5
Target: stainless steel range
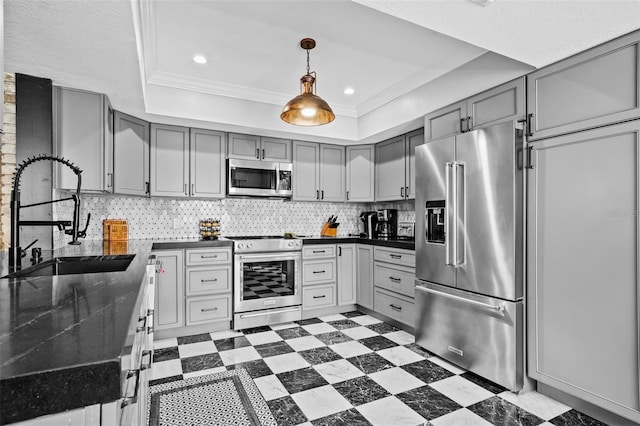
267 280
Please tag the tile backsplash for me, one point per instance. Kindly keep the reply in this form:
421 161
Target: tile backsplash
164 218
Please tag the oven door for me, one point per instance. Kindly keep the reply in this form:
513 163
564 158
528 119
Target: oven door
266 281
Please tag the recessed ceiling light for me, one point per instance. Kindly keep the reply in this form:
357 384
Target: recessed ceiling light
349 91
199 59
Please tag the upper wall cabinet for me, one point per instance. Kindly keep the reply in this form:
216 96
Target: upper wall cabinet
250 147
187 162
360 173
318 172
83 134
497 105
131 155
395 167
591 89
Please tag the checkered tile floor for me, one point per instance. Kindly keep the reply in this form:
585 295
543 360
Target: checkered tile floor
352 369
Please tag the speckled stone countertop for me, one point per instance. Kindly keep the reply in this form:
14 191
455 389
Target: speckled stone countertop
62 338
395 243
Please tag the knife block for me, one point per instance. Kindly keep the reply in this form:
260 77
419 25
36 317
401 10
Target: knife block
327 231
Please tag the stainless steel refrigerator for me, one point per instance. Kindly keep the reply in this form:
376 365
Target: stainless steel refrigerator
469 251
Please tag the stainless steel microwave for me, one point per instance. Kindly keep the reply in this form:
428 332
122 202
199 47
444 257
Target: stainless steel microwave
258 178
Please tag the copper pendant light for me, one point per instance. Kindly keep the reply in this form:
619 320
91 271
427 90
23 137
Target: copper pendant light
307 109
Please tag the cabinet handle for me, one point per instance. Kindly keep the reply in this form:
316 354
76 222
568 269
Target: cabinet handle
406 192
213 280
347 195
128 400
469 123
186 191
146 352
258 153
317 194
322 194
148 188
208 257
319 272
396 256
150 330
402 192
530 124
208 309
395 308
193 188
142 327
462 120
339 251
318 251
263 154
320 297
395 279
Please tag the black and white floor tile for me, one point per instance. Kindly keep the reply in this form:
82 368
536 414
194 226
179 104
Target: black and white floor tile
352 369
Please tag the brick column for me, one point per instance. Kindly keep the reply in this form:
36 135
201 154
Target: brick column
7 158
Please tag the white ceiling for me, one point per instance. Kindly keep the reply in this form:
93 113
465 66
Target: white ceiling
403 58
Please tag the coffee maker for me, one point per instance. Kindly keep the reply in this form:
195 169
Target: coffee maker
387 224
370 221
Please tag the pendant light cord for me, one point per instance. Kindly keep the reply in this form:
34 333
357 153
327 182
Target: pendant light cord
307 61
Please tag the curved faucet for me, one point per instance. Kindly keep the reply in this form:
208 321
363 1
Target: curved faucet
16 253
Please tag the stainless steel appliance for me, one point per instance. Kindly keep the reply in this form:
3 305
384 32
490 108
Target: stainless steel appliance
406 230
387 224
267 280
469 251
370 222
258 178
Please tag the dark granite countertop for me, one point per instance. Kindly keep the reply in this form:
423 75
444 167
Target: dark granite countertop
63 338
395 243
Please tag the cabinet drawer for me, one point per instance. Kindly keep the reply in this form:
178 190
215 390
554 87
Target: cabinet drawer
319 252
395 279
318 271
208 280
206 309
207 256
394 306
397 256
318 296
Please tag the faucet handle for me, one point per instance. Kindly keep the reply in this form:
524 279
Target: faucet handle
83 233
23 252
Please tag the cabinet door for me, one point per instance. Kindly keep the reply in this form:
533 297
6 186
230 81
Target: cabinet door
599 86
497 105
278 150
131 155
332 173
414 139
583 247
306 171
364 275
360 173
169 161
109 117
80 124
346 274
447 121
207 164
245 147
169 306
390 163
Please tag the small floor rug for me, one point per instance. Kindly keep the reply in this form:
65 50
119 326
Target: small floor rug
226 398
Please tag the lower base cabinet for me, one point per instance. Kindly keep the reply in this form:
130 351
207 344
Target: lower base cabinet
400 308
394 289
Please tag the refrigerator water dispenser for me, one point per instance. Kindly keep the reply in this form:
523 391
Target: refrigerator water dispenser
435 222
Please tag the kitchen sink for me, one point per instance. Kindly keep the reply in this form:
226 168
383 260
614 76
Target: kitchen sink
75 265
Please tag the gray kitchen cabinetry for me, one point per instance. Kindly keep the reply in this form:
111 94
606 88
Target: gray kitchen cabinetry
393 279
346 266
187 162
497 105
583 244
169 303
395 167
131 155
318 278
364 275
251 147
318 172
83 134
591 89
360 173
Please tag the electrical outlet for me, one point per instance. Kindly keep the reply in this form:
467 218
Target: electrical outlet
176 223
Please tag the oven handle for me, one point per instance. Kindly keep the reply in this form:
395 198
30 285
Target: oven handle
276 256
279 311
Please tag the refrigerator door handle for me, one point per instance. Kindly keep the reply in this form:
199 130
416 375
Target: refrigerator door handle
448 167
496 308
459 196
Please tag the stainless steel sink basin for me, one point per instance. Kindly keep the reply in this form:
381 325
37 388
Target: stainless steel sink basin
75 265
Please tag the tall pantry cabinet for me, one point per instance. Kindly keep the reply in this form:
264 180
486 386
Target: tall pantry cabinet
583 228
